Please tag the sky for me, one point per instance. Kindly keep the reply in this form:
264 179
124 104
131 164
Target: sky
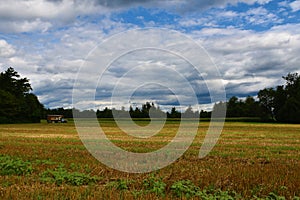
253 43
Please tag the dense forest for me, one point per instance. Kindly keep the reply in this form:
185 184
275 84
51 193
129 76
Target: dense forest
279 104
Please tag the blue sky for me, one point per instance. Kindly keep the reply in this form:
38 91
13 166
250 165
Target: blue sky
253 43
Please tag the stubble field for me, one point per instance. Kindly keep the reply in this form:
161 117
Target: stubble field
250 161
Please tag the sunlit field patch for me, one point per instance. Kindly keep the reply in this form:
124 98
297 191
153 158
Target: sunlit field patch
250 160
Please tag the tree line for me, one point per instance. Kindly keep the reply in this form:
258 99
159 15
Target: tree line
147 110
280 104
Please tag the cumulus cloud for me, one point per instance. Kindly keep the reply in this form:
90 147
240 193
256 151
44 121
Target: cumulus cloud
42 15
6 50
177 5
24 26
51 61
295 5
256 16
261 15
248 60
154 74
251 59
33 15
44 9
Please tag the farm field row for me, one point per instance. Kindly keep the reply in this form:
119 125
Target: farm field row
250 160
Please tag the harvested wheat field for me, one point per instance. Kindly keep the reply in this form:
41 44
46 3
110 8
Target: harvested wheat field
250 161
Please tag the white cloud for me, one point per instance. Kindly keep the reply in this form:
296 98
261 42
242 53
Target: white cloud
6 50
195 5
24 26
51 62
260 16
228 14
248 60
295 5
42 9
193 22
40 15
253 60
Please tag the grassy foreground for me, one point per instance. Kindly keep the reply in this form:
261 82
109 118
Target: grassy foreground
250 161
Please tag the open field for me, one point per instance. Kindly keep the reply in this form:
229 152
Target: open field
251 160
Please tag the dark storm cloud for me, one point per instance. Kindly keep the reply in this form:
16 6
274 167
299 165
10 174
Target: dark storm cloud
179 6
123 3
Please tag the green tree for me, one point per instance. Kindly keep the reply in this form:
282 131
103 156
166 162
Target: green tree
233 109
252 108
8 107
266 101
283 103
189 113
174 113
17 104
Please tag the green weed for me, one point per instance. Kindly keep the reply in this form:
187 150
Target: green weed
45 162
119 184
271 196
187 189
14 166
61 175
155 185
184 188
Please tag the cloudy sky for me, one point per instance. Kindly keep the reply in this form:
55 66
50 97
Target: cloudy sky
252 42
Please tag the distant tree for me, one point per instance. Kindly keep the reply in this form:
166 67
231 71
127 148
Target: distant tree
137 113
189 113
219 109
174 113
17 104
205 114
234 108
145 109
266 101
251 107
156 112
106 113
240 108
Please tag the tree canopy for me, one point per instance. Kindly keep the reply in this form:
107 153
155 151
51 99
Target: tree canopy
283 102
17 104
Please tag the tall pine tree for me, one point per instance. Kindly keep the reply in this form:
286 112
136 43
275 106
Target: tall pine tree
17 104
